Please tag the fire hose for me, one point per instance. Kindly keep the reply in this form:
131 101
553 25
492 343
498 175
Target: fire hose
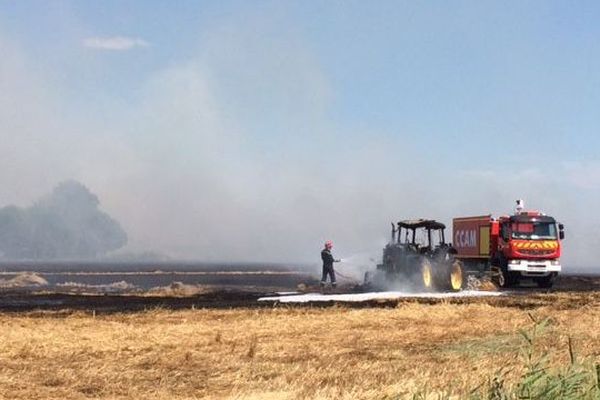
345 276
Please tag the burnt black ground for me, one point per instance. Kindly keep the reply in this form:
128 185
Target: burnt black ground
579 289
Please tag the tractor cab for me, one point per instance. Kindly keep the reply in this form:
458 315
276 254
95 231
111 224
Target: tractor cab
421 235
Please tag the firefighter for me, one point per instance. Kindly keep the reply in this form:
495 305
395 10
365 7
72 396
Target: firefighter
328 261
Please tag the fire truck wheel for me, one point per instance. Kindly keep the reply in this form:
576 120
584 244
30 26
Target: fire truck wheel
545 282
426 274
503 278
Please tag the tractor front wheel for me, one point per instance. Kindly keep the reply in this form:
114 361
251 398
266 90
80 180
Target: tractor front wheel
426 274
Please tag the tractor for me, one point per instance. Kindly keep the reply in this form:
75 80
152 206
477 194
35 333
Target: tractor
419 258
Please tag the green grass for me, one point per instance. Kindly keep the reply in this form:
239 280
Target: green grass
485 346
576 380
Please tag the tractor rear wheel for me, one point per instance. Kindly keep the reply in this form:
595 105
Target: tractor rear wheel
456 276
450 276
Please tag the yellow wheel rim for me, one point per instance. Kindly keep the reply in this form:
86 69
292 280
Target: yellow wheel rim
456 276
426 274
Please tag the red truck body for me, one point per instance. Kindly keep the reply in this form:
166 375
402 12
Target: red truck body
526 244
472 236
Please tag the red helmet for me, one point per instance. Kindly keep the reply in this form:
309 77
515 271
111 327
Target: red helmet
328 244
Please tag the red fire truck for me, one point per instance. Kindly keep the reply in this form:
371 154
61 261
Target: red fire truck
525 245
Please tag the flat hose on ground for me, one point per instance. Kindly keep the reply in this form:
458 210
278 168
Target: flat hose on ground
345 277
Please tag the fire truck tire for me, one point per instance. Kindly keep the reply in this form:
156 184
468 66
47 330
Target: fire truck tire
504 278
515 278
545 282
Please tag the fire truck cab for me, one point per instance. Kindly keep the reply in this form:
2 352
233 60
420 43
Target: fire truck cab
528 247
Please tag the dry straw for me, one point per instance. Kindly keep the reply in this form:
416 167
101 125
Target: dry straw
432 351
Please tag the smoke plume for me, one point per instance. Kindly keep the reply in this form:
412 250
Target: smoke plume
65 224
234 154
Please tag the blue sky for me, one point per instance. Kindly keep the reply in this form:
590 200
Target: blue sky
272 108
470 73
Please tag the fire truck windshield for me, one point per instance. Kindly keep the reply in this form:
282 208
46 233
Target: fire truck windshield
534 230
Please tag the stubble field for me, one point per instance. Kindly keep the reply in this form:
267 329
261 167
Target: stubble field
404 350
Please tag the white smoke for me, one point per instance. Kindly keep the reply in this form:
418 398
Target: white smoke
354 267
